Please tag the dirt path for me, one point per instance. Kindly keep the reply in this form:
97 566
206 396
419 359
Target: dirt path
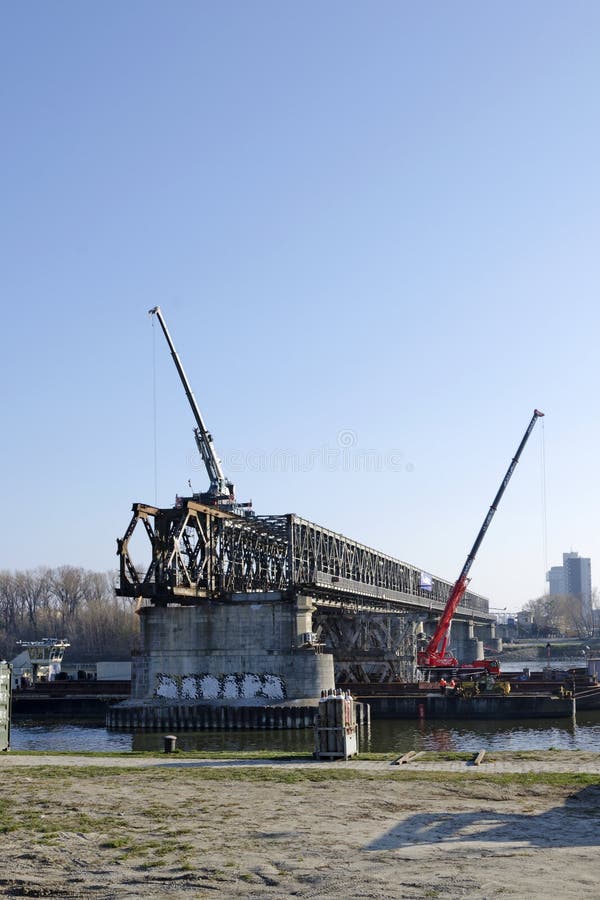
165 827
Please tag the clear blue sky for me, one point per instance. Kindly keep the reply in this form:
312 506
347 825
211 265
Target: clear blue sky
370 226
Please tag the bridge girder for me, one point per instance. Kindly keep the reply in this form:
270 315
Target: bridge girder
200 552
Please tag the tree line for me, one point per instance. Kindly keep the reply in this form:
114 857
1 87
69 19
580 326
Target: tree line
71 603
566 614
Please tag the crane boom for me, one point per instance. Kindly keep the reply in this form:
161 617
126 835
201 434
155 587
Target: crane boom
435 652
220 488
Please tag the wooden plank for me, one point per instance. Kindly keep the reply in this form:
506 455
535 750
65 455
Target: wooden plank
479 758
407 757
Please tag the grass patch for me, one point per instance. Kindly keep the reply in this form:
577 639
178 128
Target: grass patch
313 775
115 843
53 776
186 754
323 776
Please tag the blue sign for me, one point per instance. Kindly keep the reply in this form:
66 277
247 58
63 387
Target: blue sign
426 583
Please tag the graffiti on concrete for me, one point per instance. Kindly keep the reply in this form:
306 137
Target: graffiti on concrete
236 686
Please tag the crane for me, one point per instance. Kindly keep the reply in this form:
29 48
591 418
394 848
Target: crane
221 491
435 654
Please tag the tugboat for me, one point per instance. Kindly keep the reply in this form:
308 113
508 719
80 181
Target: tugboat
41 689
38 661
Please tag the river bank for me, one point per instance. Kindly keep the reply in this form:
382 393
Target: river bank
181 826
538 654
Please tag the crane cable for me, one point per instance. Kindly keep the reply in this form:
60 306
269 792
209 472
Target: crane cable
155 418
544 504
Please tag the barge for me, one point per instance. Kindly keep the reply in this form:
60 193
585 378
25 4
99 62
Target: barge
431 704
68 699
551 693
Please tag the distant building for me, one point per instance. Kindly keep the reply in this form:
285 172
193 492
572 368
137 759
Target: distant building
525 621
556 581
574 577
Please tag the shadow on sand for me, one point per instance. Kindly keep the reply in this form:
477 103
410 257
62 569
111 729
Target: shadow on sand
574 823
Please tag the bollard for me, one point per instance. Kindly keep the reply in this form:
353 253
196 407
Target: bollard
170 741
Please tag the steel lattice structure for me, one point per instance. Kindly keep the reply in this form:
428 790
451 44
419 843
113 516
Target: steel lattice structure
199 551
369 647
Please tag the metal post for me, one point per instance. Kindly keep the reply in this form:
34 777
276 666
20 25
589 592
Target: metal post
170 742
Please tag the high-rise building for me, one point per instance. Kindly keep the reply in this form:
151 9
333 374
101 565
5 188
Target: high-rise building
556 581
574 577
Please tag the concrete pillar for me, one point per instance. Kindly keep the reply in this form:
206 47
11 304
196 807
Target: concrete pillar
420 627
246 648
474 650
304 609
465 644
490 639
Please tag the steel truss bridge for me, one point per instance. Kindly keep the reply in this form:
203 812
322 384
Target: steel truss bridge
367 602
198 551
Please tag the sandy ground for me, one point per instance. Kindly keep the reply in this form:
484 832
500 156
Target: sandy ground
171 827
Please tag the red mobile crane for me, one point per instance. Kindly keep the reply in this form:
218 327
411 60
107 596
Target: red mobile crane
434 655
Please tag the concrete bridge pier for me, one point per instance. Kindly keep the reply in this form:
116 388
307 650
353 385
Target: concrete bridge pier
464 642
471 640
248 647
490 639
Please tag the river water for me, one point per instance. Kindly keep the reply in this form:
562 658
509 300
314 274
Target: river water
385 736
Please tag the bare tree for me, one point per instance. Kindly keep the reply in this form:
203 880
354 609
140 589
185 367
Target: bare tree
566 614
68 587
11 604
71 603
35 592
